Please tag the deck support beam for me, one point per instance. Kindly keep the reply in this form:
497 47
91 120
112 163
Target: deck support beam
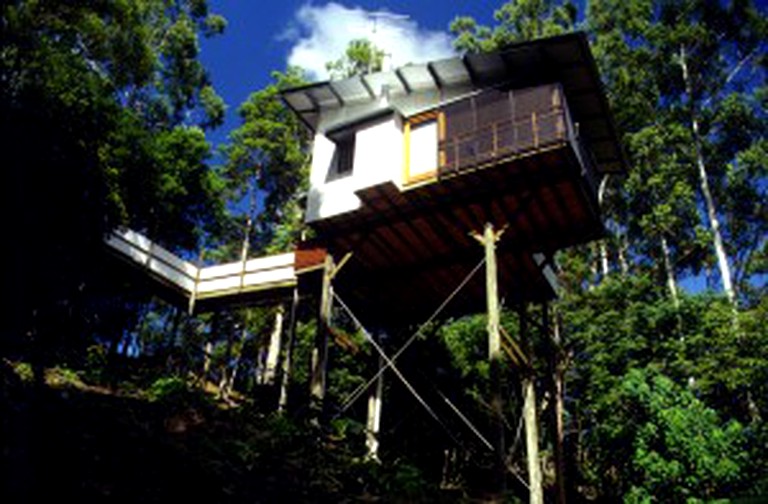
373 423
530 420
489 239
317 382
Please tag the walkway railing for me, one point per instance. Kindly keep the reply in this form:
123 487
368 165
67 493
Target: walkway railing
215 281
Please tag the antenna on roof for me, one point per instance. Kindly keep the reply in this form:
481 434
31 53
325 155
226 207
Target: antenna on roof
374 17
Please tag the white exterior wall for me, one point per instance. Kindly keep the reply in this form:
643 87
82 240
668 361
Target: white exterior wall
378 158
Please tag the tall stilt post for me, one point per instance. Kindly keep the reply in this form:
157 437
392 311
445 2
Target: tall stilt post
530 420
373 423
287 368
556 373
320 351
494 356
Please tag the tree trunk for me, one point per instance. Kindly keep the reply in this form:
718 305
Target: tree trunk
225 365
714 222
556 372
273 353
236 365
623 247
603 243
670 272
285 381
373 423
207 361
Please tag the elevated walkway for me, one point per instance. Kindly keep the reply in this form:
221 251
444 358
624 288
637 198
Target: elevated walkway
253 281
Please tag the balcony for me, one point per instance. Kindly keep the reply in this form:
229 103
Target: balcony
495 127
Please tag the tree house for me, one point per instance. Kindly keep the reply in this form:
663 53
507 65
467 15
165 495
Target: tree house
407 164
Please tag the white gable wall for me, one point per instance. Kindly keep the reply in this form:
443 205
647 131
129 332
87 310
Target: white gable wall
378 158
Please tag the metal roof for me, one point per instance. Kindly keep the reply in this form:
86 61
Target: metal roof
412 89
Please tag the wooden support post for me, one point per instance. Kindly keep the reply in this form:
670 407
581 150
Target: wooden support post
287 368
494 356
320 351
536 492
558 410
273 352
373 424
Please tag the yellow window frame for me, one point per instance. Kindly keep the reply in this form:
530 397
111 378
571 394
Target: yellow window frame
429 176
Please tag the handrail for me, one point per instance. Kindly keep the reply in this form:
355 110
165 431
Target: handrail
215 281
505 137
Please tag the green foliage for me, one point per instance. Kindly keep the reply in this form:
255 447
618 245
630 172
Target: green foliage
517 21
269 154
23 370
95 363
631 348
106 100
167 389
681 450
360 58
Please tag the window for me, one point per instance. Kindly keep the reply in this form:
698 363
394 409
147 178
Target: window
421 135
345 151
343 157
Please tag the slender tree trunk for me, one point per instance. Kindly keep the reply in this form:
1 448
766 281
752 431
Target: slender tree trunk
603 243
623 247
714 222
670 272
593 269
373 423
273 353
207 361
236 364
556 372
285 381
225 365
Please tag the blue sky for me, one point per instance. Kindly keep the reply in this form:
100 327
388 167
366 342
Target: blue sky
263 36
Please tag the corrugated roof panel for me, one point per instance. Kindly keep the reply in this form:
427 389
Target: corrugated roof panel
299 101
565 59
351 90
377 82
418 77
323 96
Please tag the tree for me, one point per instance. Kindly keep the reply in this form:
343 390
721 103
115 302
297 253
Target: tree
517 21
101 104
268 157
360 58
701 48
680 449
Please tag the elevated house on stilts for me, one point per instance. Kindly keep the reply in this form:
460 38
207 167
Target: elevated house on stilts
410 169
408 163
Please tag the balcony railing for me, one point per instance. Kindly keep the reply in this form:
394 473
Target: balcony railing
506 125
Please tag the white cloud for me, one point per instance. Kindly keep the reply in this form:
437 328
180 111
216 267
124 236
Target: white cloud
321 33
